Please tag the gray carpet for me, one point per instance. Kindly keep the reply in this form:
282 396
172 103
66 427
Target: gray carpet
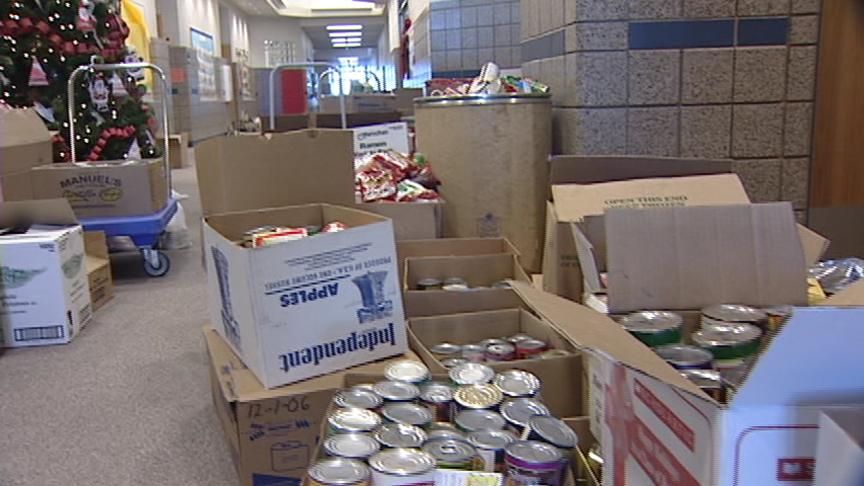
127 402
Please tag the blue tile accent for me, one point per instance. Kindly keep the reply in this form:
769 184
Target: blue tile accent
763 32
681 34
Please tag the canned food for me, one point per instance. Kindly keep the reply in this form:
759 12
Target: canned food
407 413
778 316
455 281
357 398
734 314
445 434
518 411
399 435
709 381
402 467
346 420
501 352
446 350
490 445
429 284
528 348
396 391
351 446
454 454
475 420
408 371
438 397
551 430
472 374
729 343
474 353
456 288
518 337
491 342
477 397
501 284
654 328
517 383
453 362
552 353
531 462
364 386
685 357
339 472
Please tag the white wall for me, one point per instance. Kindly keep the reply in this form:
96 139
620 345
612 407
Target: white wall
235 29
202 15
277 29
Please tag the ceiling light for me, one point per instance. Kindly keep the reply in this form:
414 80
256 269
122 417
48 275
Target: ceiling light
345 45
346 34
345 27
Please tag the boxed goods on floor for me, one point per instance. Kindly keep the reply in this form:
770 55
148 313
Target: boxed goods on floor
178 150
272 434
840 448
45 297
304 306
98 269
25 143
360 103
452 247
121 188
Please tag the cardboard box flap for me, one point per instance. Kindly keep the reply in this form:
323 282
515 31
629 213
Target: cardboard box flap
21 127
815 245
587 169
589 329
575 201
832 376
851 296
42 211
687 258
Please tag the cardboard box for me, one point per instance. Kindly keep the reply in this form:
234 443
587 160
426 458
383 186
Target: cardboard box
272 434
178 150
105 190
245 173
405 99
840 447
583 186
411 220
25 143
44 298
288 123
98 267
308 307
453 247
360 103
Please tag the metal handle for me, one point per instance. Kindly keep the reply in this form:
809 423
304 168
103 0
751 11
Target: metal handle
377 79
92 68
295 65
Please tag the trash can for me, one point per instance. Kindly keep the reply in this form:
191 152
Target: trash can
491 153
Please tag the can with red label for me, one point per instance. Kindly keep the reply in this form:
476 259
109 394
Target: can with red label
528 348
501 352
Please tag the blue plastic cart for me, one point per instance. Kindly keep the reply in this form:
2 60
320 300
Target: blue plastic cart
145 231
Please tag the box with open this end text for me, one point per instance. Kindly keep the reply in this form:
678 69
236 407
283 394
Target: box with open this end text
307 307
44 297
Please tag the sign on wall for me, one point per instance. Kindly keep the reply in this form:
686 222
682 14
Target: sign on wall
204 47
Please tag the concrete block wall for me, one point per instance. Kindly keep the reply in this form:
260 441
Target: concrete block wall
688 78
202 119
465 34
160 55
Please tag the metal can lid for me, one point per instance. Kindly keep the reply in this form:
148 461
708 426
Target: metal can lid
453 362
472 374
651 321
396 391
429 282
406 413
502 349
357 397
725 335
478 396
519 410
402 462
501 284
473 348
683 355
436 393
445 434
354 419
400 435
533 452
456 288
554 431
339 471
446 349
704 378
450 450
352 445
780 311
407 370
734 313
455 281
474 420
491 341
531 344
491 439
517 383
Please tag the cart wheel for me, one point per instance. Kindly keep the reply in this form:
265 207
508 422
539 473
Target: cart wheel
158 268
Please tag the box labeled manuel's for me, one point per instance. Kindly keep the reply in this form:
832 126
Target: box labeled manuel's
307 307
44 295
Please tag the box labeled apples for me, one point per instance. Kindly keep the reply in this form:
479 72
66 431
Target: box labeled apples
307 307
44 296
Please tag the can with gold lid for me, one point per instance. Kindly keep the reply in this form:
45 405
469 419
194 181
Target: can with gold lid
339 471
477 397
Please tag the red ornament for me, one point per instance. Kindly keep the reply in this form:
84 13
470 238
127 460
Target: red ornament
26 23
11 26
83 48
55 39
69 48
43 27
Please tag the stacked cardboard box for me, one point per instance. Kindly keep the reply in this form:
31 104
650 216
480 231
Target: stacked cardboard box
160 55
25 143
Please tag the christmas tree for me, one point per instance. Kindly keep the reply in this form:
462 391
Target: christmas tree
42 42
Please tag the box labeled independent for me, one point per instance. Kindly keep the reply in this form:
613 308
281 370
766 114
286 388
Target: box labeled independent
306 307
44 296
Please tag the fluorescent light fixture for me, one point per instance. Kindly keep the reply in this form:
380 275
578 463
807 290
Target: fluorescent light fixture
346 45
345 27
344 35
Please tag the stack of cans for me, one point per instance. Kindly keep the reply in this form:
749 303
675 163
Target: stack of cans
398 432
456 284
518 346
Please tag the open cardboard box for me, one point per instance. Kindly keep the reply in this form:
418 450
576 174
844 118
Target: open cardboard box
451 247
25 143
98 267
583 186
840 450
